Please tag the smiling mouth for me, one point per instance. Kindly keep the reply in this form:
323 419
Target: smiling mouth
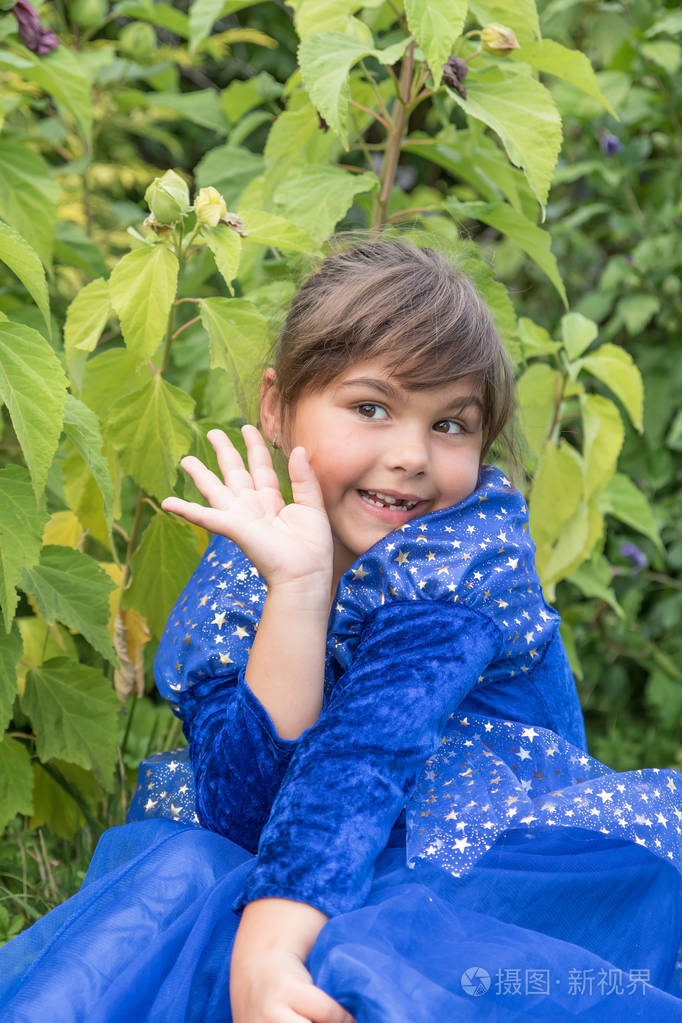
389 507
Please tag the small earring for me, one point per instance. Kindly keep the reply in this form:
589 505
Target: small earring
274 442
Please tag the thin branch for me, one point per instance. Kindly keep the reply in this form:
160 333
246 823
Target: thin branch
372 113
189 323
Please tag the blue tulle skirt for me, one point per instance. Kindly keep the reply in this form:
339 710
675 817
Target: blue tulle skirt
550 924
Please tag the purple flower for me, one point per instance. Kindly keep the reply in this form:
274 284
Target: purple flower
610 144
635 556
33 35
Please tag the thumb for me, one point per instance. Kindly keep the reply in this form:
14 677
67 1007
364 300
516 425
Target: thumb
305 487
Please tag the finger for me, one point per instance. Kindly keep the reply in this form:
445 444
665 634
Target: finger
206 482
236 476
305 488
316 1004
260 462
215 520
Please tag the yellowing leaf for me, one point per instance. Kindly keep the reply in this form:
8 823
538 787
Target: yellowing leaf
41 642
142 290
557 492
63 529
603 435
615 368
131 635
86 318
570 65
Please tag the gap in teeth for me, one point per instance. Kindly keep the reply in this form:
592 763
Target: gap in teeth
385 500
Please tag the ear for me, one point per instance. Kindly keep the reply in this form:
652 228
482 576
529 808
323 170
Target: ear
269 409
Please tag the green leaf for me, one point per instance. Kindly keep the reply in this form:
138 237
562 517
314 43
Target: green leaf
24 262
317 197
570 65
296 139
532 239
86 318
626 502
117 371
535 340
21 533
201 107
74 248
142 290
203 13
603 435
325 61
523 114
161 566
268 229
62 75
578 333
229 169
240 97
536 390
636 310
33 386
81 426
664 53
436 24
313 16
28 197
54 807
576 543
71 588
16 780
238 341
226 246
557 492
615 368
11 650
160 14
522 15
593 578
149 429
74 713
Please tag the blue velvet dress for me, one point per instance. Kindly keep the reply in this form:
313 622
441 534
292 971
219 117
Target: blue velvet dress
475 862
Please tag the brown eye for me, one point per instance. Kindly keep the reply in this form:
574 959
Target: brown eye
371 407
447 423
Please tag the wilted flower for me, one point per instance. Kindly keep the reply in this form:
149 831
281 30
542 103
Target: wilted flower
321 121
635 556
167 198
498 39
157 228
455 71
236 223
610 144
209 207
32 33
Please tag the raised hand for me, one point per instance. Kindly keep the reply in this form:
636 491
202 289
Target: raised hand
286 542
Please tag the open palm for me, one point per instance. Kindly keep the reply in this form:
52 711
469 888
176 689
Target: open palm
286 542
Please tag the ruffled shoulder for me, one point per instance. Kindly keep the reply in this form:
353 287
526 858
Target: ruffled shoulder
477 553
211 627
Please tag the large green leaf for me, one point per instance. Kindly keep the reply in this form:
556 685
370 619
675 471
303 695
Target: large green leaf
295 138
325 61
21 533
118 371
16 780
74 714
86 318
62 75
269 229
11 650
238 340
578 333
313 16
161 566
74 248
522 15
33 386
576 543
557 492
150 430
203 13
161 14
594 580
316 198
24 262
201 107
522 113
570 65
71 588
28 197
229 169
603 435
625 501
531 238
616 368
536 390
81 426
142 291
436 24
226 246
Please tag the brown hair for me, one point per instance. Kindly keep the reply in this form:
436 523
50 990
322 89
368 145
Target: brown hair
389 298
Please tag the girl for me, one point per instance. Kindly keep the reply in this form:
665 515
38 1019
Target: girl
377 702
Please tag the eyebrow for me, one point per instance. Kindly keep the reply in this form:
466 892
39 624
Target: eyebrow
392 392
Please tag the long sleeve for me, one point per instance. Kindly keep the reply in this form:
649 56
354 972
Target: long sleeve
238 758
353 771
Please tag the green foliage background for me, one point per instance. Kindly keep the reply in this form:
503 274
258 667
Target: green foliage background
551 173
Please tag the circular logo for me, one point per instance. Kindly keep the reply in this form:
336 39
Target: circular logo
475 981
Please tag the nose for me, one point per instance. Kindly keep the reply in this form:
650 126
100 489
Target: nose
407 450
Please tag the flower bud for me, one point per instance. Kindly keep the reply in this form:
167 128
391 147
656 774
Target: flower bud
32 32
167 198
209 207
498 39
137 40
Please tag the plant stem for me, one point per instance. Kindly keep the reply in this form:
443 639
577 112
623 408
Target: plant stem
395 138
134 533
189 323
373 113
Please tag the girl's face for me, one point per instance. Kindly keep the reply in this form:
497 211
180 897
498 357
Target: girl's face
383 455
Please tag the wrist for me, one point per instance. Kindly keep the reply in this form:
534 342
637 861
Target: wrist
282 923
309 593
